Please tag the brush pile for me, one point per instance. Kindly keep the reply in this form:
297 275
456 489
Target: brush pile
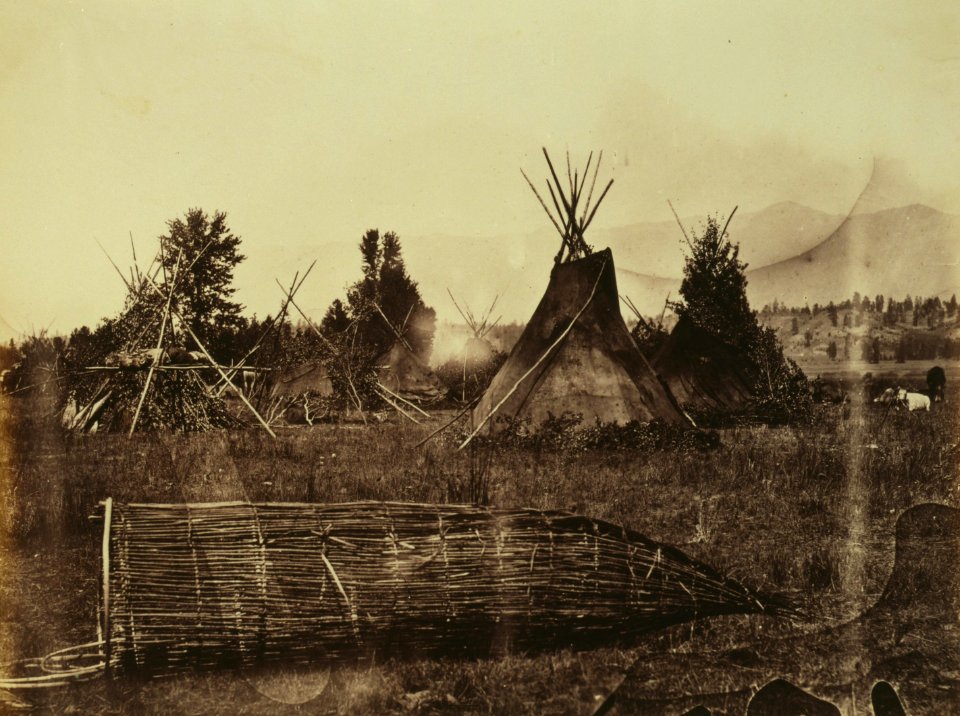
178 400
238 584
134 372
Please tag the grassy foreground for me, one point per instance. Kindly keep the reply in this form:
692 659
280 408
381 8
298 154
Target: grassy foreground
805 511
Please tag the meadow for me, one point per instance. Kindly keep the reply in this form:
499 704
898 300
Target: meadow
804 511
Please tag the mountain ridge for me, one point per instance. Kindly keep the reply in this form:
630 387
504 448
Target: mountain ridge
837 255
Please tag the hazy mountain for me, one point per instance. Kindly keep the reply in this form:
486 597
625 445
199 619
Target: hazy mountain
795 254
648 255
776 233
913 249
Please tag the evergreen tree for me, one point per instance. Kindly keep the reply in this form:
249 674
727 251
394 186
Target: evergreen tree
401 299
199 255
832 314
335 320
715 298
714 288
385 287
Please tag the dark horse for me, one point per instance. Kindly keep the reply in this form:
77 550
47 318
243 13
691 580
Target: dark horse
936 381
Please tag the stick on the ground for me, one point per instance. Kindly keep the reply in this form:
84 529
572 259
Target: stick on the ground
404 400
400 410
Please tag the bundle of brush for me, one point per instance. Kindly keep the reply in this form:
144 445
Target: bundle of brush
134 369
238 584
175 400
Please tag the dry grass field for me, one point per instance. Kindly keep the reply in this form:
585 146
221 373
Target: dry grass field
806 511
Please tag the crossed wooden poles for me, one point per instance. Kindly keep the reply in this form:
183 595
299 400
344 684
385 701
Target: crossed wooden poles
169 310
138 280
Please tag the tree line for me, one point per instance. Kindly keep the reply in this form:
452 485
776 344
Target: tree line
918 311
194 266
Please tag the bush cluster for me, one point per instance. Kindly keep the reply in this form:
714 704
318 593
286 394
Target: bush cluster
568 433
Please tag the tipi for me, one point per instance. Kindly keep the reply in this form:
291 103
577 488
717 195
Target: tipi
401 372
478 352
702 372
575 354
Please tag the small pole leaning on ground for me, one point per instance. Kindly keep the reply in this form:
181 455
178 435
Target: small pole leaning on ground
105 556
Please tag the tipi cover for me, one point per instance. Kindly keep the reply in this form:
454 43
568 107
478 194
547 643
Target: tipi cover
595 370
702 372
477 353
403 373
310 378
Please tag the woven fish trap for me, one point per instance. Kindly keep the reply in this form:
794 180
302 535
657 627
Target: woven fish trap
227 585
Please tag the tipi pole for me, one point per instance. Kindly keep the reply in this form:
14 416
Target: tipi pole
556 181
294 287
586 171
133 251
333 352
139 293
159 348
540 360
721 235
116 268
404 400
597 206
393 329
469 322
455 418
224 375
666 302
567 233
537 194
680 224
400 410
486 316
216 365
593 183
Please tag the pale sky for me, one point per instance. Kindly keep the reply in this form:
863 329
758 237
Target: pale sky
309 122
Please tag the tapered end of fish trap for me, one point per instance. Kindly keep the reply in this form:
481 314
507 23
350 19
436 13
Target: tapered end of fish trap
228 585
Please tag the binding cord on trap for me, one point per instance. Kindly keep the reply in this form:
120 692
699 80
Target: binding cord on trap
73 664
60 668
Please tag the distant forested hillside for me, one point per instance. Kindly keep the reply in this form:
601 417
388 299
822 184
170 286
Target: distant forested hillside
871 329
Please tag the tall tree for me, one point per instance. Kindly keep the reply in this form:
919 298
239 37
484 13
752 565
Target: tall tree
714 293
387 287
714 287
832 313
335 320
207 252
401 298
